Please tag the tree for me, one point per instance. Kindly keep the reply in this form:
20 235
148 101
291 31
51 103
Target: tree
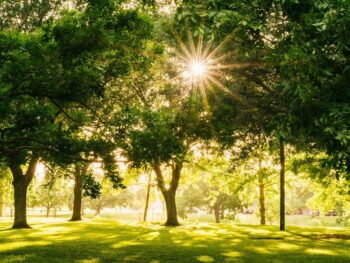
320 108
4 189
47 79
28 15
51 193
108 198
166 137
257 171
149 185
330 196
80 173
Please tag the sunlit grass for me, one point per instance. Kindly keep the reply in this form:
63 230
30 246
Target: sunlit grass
105 240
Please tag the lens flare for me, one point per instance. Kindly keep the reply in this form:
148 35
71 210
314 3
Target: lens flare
201 66
198 69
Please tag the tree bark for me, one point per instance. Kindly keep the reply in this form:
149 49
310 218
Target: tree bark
1 207
222 213
98 209
217 212
170 203
20 185
78 195
169 193
147 198
282 189
20 195
262 209
47 211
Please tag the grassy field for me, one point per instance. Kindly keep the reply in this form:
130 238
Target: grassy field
106 240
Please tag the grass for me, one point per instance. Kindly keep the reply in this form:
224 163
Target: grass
106 240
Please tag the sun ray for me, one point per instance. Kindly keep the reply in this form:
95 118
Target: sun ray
183 57
181 44
200 45
217 49
222 57
192 46
203 93
238 65
203 67
223 87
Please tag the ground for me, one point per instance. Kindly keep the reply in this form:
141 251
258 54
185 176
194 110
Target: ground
100 240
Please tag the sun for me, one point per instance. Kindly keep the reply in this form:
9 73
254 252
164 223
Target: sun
201 66
198 69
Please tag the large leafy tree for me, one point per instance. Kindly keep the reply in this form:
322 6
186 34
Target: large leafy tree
162 141
47 79
300 86
314 71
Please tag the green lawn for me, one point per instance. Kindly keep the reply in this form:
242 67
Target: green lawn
99 240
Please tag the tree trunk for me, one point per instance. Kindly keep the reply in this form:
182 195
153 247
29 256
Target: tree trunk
47 211
217 213
20 196
222 213
262 209
169 193
282 190
78 195
20 185
1 207
170 203
147 198
98 209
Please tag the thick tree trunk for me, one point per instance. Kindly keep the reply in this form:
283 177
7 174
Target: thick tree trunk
78 195
170 203
20 185
217 213
147 198
20 196
282 190
169 193
262 209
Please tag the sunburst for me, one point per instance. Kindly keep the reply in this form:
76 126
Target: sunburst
201 66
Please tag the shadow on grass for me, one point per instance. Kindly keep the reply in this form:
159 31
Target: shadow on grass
109 241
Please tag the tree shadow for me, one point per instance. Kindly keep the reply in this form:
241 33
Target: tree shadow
109 241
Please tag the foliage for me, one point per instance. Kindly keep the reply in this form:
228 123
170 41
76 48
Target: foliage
51 193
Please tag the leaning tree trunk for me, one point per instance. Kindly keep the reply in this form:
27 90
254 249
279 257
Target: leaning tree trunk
78 195
169 193
147 198
20 185
282 190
